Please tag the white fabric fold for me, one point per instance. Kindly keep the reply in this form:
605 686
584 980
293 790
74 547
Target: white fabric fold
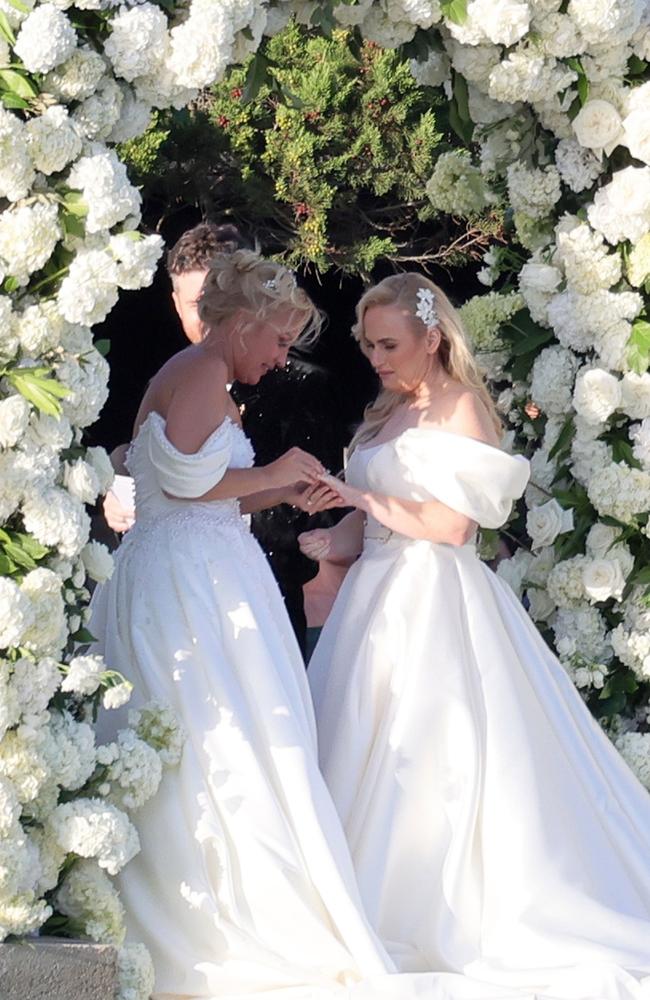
189 476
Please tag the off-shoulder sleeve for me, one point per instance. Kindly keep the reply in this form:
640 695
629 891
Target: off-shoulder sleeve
467 475
189 476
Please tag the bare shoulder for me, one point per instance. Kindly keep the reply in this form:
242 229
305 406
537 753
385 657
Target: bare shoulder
463 412
191 394
471 418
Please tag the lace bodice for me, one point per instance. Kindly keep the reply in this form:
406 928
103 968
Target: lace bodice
158 469
426 463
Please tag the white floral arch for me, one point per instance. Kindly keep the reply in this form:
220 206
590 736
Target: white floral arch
555 97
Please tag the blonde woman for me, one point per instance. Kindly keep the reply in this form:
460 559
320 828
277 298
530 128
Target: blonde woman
244 886
495 832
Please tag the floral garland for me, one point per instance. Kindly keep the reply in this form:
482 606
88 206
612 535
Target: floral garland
553 97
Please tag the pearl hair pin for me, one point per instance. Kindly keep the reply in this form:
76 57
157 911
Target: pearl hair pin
426 309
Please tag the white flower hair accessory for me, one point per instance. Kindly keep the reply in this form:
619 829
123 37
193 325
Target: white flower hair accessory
426 307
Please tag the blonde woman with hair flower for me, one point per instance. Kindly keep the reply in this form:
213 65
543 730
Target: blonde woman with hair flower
495 831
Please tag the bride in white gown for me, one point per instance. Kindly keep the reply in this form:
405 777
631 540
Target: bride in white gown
244 885
494 830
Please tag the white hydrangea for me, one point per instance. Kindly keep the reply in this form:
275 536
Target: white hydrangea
32 685
48 633
432 71
14 419
587 262
89 898
578 167
70 751
636 124
552 380
39 328
137 258
56 519
596 395
620 491
83 675
588 454
614 20
98 561
28 236
201 46
456 186
78 77
92 828
16 614
9 807
640 436
581 631
100 463
474 63
12 485
87 381
513 571
601 320
634 748
484 315
133 770
45 40
23 764
621 209
632 647
134 118
533 192
89 291
538 281
97 116
110 197
138 36
378 27
635 391
52 141
523 76
157 725
135 971
18 863
16 168
565 585
559 35
502 22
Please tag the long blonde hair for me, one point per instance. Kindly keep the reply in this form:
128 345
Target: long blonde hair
453 353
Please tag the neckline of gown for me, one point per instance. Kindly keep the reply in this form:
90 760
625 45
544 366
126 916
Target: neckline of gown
162 422
431 430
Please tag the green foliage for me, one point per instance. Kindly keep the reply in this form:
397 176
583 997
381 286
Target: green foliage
326 161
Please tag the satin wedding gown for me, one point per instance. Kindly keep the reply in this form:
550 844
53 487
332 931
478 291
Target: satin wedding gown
494 830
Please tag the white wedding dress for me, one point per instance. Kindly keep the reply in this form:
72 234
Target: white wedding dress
494 830
244 886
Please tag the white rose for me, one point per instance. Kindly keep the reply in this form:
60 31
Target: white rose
596 395
598 126
636 128
542 277
540 605
115 697
84 675
545 523
602 579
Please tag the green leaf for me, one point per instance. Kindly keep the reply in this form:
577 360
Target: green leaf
83 635
103 346
454 10
461 93
17 83
7 566
19 556
6 31
638 346
464 130
22 7
622 452
564 438
636 66
41 391
641 577
72 224
74 204
256 76
12 102
10 285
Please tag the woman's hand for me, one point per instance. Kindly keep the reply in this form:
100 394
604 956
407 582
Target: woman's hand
314 498
295 466
117 516
316 544
347 495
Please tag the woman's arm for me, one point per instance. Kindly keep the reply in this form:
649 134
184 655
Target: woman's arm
340 544
430 519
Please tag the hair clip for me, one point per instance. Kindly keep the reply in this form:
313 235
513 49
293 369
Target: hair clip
270 283
426 309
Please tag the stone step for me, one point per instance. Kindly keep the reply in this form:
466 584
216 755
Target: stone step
57 969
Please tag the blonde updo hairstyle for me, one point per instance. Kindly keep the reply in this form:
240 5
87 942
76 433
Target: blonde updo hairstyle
453 353
245 282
